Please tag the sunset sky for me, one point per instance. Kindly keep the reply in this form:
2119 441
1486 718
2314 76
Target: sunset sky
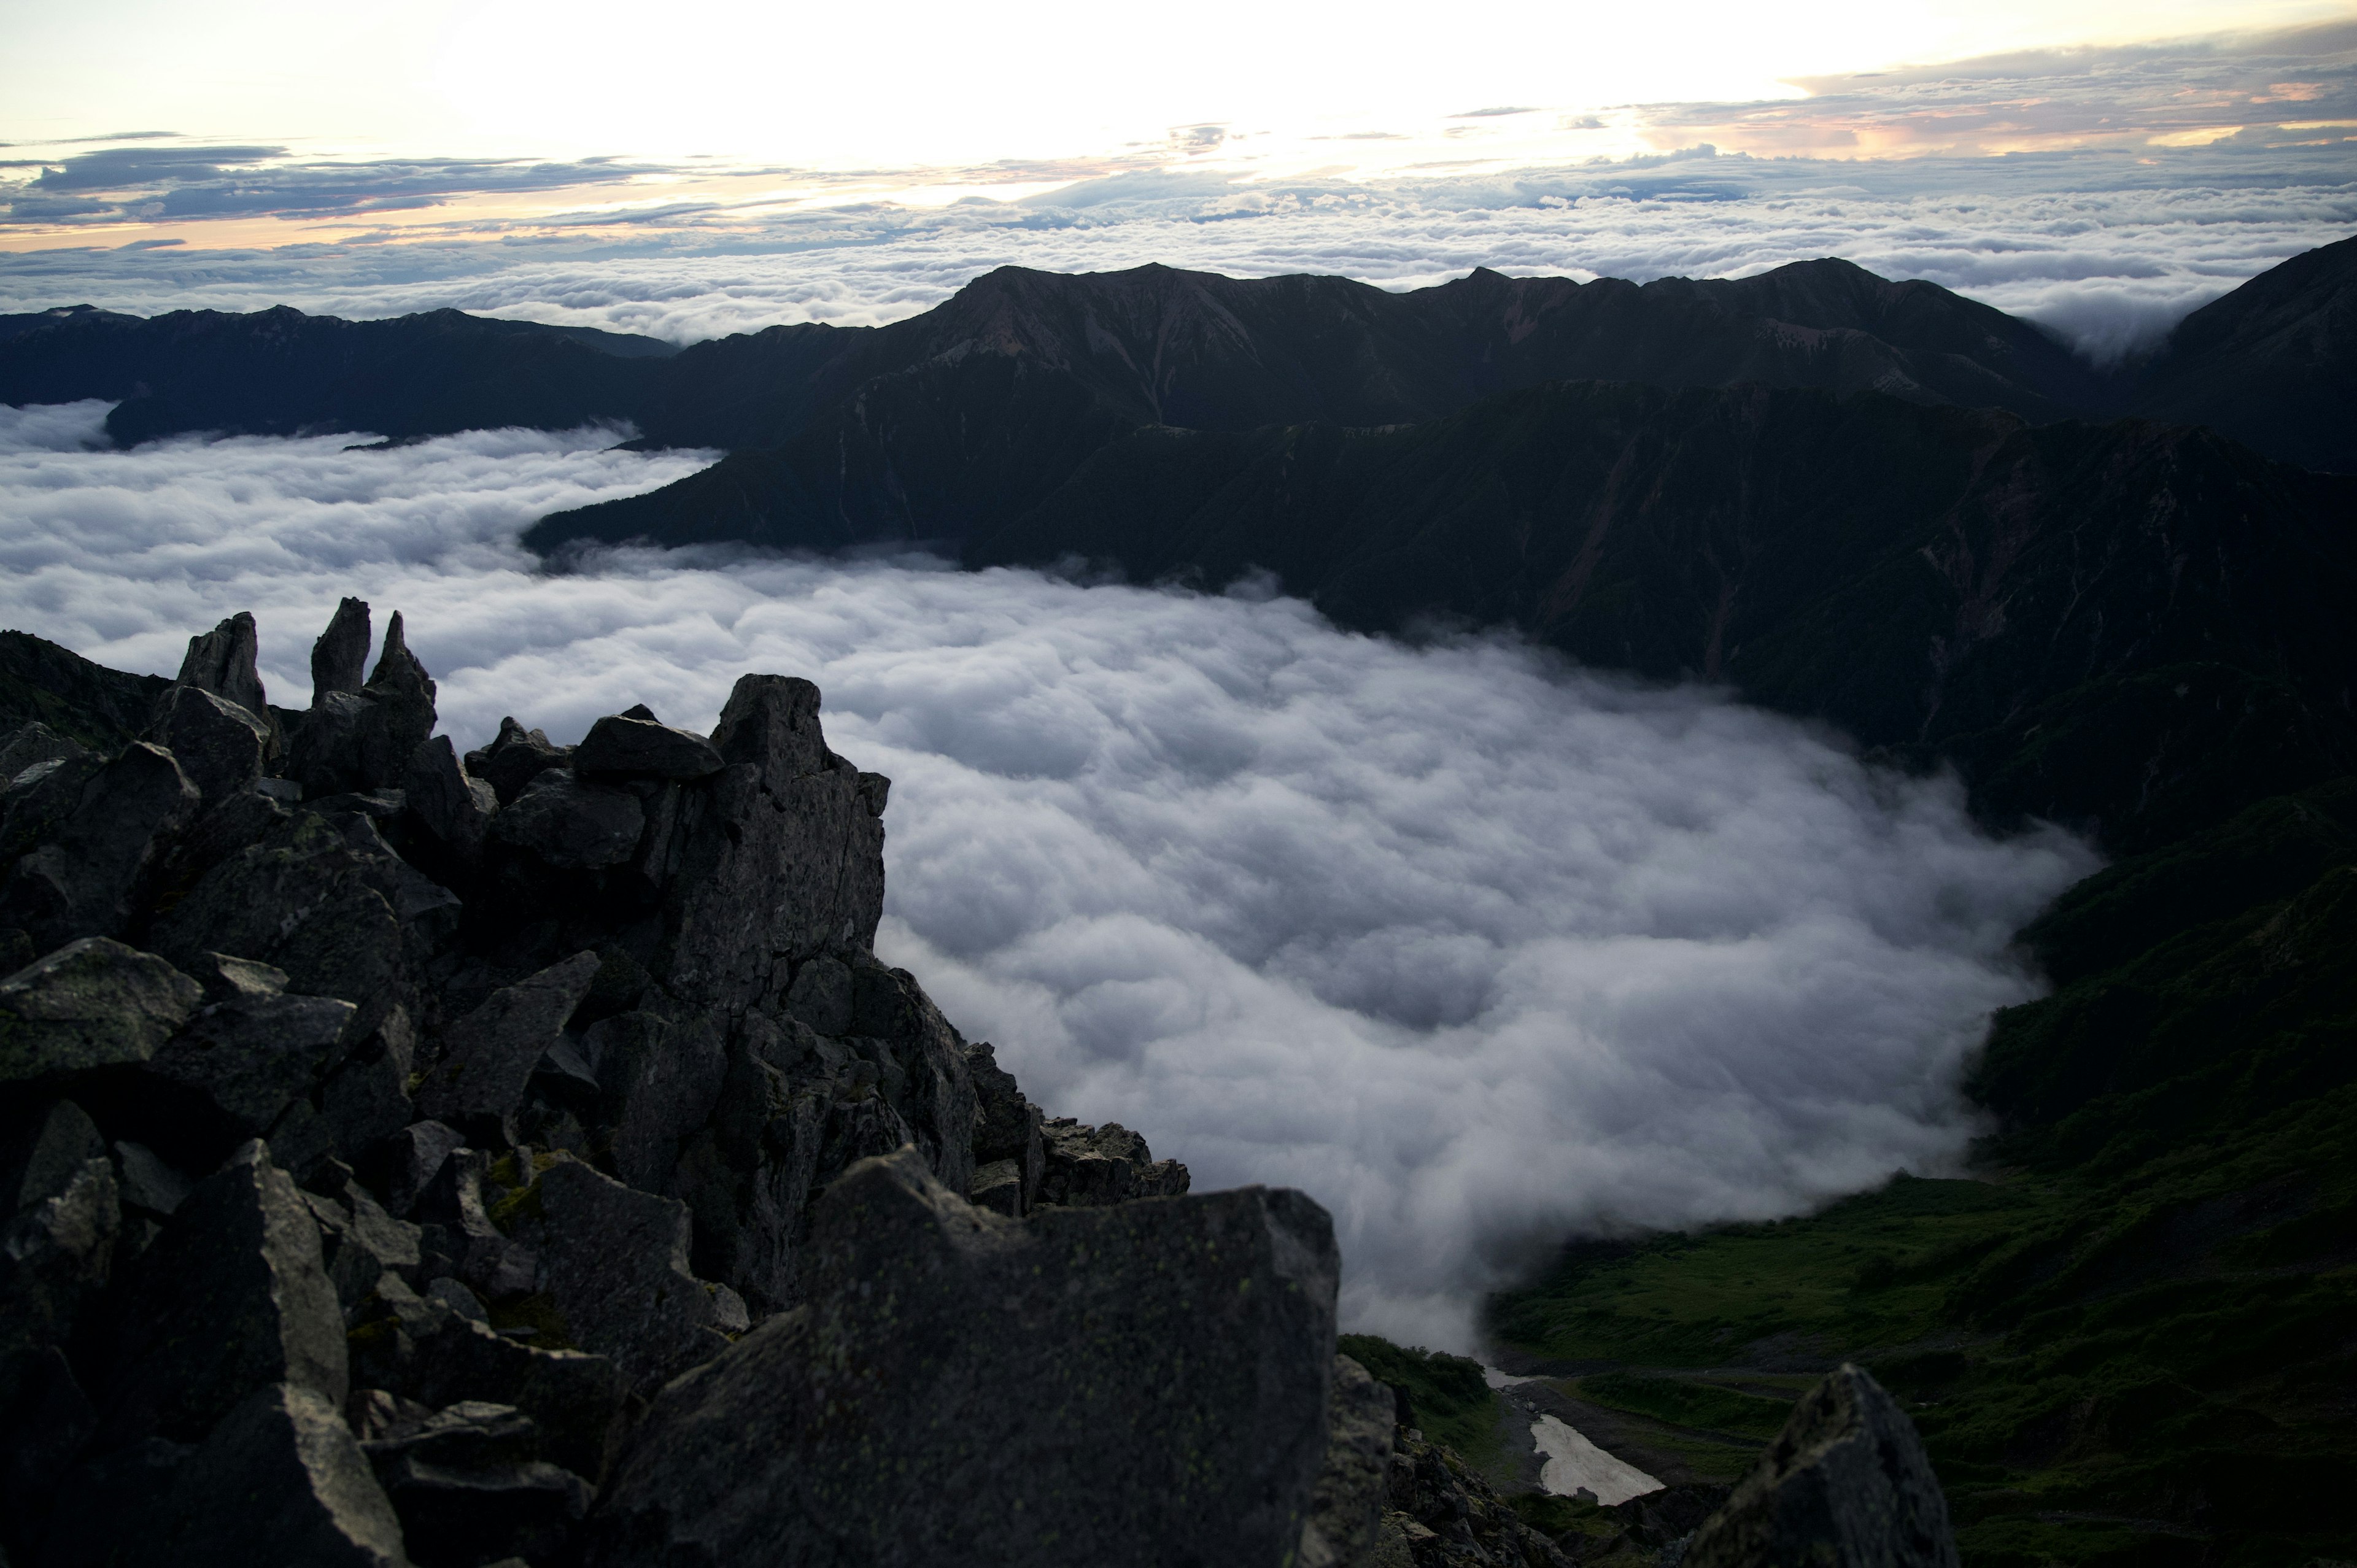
261 123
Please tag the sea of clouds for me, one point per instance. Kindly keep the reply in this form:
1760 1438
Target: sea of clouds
1476 947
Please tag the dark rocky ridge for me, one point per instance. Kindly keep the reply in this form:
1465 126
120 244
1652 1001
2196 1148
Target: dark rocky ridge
401 1167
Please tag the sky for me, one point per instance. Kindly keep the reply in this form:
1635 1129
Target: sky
1477 949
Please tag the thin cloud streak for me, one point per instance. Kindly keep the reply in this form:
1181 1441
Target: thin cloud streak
1475 947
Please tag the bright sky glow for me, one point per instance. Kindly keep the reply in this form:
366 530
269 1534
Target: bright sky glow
946 82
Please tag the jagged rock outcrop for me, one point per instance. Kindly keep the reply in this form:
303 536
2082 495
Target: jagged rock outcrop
1845 1484
387 1129
1136 1385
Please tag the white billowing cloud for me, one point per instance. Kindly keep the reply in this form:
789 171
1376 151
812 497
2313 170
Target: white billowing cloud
1475 947
2108 247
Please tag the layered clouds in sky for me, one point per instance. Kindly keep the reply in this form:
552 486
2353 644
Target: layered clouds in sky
1477 949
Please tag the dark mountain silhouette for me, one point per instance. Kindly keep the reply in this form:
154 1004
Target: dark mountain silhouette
2273 364
2130 627
1152 346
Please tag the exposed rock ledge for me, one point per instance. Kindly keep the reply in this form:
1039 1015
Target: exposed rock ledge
419 1159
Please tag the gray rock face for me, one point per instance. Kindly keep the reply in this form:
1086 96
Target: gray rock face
515 758
89 876
361 741
1845 1484
1129 1386
56 1251
575 1400
224 663
281 1480
1088 1167
322 899
92 1004
922 1063
219 745
341 655
1007 1128
466 1483
42 1142
630 748
1346 1515
232 1298
570 824
455 809
822 996
775 859
657 1084
414 1156
251 1054
488 1057
613 1263
31 744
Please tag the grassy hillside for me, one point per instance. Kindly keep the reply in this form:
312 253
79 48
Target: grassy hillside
2135 1341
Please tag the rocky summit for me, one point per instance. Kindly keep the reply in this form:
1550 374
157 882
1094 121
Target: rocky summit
522 1156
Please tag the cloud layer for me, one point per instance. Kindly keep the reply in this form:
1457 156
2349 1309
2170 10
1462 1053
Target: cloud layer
1477 949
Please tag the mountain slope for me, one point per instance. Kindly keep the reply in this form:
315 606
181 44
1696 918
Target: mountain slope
2273 364
2122 625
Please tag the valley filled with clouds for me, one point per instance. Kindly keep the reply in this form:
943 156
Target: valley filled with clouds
1476 947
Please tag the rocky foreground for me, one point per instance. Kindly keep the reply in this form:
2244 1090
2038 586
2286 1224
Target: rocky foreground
411 1158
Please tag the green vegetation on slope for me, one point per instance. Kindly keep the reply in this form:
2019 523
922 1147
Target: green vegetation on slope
1443 1394
2137 1343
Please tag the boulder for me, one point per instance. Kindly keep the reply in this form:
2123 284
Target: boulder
775 859
469 1485
1346 1512
360 1242
1845 1484
488 1057
341 655
96 871
230 1298
627 747
614 1269
575 1400
514 759
30 745
657 1083
1092 1166
56 1253
410 1160
280 1479
571 824
92 1004
366 1098
219 745
43 1142
149 1187
325 899
1136 1385
251 1054
455 809
38 801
